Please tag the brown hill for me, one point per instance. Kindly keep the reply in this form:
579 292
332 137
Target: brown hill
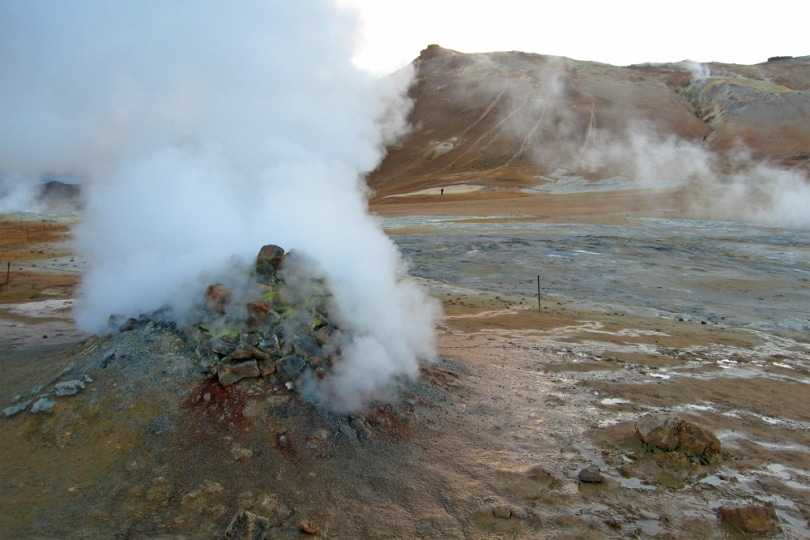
507 120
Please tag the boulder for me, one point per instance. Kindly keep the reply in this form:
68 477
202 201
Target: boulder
671 433
749 519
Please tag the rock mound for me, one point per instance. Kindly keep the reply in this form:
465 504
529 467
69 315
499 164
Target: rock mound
674 434
278 329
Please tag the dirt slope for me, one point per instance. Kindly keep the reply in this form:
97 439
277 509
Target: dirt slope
500 119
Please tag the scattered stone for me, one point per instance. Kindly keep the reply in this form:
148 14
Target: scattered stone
270 345
217 297
307 347
671 433
268 261
292 365
241 454
749 519
43 405
128 325
247 352
257 311
248 526
309 528
591 475
266 367
502 511
11 411
508 511
211 488
68 388
322 335
222 347
251 339
229 373
361 428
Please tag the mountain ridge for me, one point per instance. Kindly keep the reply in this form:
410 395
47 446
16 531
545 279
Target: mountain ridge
505 118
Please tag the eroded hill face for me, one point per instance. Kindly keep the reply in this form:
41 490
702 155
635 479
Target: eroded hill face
504 119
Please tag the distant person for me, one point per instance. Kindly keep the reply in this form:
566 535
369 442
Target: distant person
442 192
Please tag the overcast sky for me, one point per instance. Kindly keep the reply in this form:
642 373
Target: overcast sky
619 32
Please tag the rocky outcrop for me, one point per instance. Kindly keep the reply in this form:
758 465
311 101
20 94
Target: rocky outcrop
674 434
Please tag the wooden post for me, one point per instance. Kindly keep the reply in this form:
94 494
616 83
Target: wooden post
8 274
538 293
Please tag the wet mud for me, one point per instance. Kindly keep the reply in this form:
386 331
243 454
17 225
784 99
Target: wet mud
699 319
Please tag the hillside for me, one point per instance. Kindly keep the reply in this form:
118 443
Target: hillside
508 120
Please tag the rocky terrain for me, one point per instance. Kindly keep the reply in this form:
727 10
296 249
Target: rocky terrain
656 387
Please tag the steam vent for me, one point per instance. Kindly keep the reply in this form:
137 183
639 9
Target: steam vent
279 330
282 334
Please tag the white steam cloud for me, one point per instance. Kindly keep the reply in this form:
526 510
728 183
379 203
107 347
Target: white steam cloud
558 120
204 130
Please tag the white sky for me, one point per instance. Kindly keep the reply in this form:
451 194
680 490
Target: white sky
619 32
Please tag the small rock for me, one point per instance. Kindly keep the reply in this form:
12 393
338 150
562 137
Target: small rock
308 528
270 345
251 339
659 430
11 411
362 428
247 352
210 487
502 511
266 367
750 519
241 454
257 311
128 325
307 347
217 297
591 475
68 388
322 335
221 347
671 433
292 365
248 526
229 373
43 405
268 261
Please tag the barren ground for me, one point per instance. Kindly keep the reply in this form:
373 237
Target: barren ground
489 442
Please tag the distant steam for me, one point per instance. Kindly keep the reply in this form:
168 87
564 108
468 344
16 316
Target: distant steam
204 131
590 124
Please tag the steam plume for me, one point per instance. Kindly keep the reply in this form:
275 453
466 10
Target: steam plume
203 131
